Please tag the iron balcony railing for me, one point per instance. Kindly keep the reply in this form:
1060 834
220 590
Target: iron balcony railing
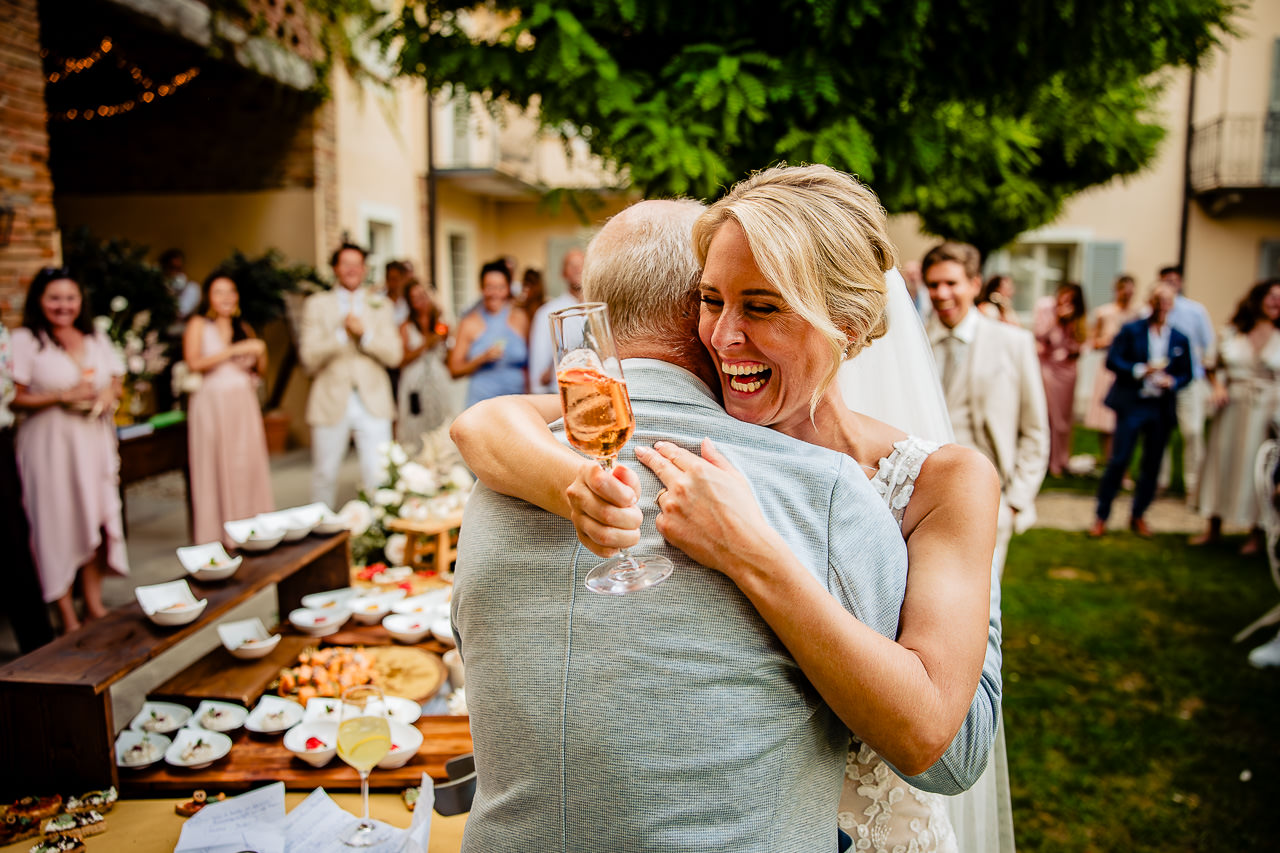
1236 152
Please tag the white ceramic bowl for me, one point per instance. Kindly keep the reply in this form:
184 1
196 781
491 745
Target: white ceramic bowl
407 628
330 599
163 717
247 639
250 534
427 605
297 527
129 738
190 738
442 630
330 523
407 740
319 623
323 709
170 603
208 563
402 710
272 715
295 740
369 610
214 716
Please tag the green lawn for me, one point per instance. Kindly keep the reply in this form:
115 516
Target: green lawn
1087 441
1130 713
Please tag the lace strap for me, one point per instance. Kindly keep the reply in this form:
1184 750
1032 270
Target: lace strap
896 475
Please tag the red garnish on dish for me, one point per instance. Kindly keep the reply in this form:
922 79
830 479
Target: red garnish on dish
319 619
394 747
406 586
315 743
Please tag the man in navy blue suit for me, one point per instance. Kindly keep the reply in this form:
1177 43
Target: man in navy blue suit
1151 361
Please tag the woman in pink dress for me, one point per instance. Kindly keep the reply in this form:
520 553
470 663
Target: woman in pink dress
67 380
1107 321
1060 333
230 476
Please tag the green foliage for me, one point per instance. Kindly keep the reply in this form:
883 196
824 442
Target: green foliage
980 116
116 267
1130 715
263 282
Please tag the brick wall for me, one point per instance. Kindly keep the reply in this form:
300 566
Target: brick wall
25 183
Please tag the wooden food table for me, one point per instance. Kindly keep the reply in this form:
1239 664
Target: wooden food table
135 825
57 729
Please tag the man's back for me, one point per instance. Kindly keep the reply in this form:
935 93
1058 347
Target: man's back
670 719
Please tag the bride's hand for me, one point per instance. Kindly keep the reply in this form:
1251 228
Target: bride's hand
602 506
707 507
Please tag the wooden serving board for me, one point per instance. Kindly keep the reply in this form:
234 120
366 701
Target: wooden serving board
355 634
218 675
254 760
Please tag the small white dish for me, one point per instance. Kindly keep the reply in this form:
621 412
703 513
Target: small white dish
126 756
405 742
160 717
295 523
329 599
272 715
211 746
407 628
427 604
208 563
369 609
319 623
442 630
329 522
214 716
457 671
170 603
402 710
250 534
323 709
296 739
247 639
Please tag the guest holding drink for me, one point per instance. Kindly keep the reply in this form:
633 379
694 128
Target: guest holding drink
423 396
492 345
1060 335
996 300
67 381
230 475
1107 321
1246 394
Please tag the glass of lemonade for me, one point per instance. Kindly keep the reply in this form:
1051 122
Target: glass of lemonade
598 422
364 739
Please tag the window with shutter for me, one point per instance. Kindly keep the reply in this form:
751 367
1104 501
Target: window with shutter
1103 264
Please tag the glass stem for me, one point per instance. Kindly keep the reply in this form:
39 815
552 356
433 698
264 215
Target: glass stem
364 793
607 465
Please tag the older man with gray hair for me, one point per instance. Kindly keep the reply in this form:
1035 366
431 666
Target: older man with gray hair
671 719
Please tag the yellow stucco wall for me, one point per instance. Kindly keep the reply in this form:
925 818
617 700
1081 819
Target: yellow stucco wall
206 226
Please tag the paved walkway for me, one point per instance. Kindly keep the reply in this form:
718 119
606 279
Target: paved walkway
1068 511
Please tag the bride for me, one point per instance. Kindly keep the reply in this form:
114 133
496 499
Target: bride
792 285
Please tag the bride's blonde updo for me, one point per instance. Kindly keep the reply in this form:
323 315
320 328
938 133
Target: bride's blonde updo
819 237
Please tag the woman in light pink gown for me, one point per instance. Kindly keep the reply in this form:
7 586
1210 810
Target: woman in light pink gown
230 475
1107 321
67 380
1060 333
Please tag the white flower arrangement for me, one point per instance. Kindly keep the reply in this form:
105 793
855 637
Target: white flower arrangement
434 484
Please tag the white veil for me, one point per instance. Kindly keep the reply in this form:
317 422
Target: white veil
895 380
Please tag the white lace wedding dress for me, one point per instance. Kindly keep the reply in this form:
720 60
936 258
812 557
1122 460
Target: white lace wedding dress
881 811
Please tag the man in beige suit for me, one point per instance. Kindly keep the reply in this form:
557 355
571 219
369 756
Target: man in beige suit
349 339
991 378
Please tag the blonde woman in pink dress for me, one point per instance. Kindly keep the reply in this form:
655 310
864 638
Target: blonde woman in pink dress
230 475
1060 334
1107 321
67 381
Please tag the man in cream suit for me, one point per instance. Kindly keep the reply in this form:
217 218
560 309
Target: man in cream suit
348 341
991 378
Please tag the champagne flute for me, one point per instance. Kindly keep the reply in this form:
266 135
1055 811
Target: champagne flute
364 739
598 422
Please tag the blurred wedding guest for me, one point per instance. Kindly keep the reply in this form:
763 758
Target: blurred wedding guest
996 300
424 380
397 276
67 381
490 347
22 600
1245 378
1192 319
185 292
542 378
1107 320
915 287
230 475
533 293
1060 334
347 342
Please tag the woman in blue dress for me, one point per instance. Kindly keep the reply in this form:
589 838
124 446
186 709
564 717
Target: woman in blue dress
492 346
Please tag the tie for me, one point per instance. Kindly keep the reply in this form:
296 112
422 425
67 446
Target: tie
951 360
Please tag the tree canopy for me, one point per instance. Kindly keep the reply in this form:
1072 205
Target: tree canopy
979 115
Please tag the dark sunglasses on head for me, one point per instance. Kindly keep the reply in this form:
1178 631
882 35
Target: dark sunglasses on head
55 272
